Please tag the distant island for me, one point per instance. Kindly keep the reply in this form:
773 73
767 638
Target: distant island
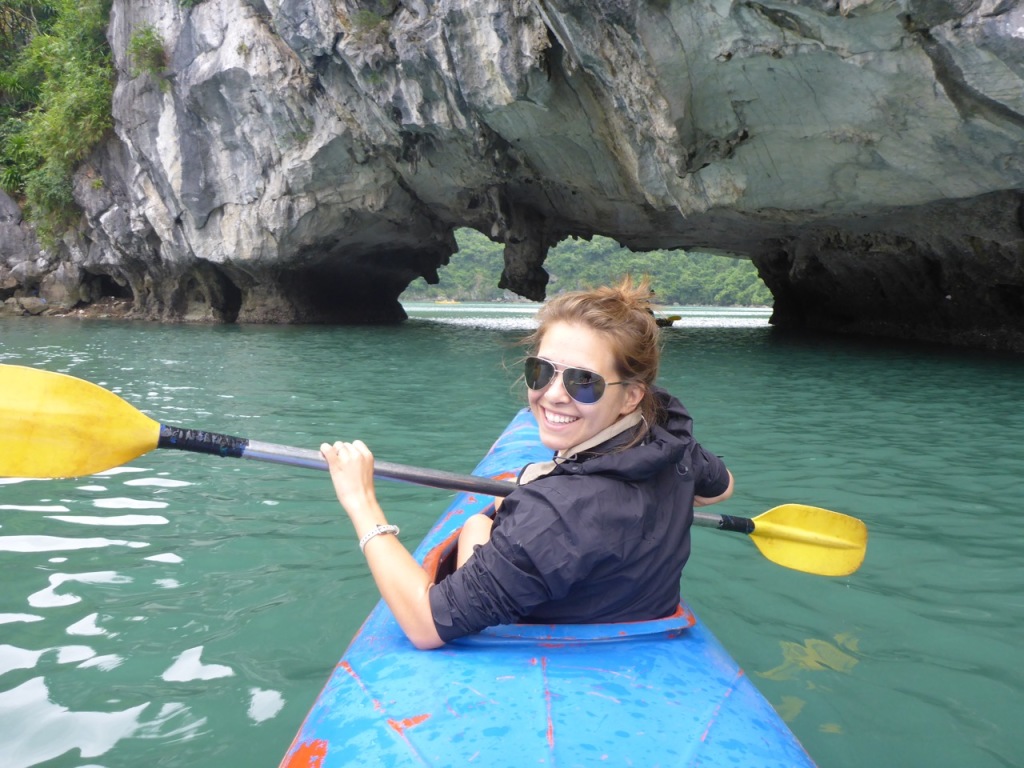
678 277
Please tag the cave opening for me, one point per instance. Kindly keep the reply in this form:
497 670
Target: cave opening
104 286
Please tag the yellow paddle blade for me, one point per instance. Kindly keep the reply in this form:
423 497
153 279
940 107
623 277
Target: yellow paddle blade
52 425
811 539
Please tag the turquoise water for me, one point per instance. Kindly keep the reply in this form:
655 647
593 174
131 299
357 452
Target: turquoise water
184 610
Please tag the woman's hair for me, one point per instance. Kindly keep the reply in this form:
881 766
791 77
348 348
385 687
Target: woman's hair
622 314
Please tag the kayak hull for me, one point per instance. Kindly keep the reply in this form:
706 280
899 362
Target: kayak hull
653 693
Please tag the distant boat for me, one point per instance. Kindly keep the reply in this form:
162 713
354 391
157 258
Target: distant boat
446 301
666 322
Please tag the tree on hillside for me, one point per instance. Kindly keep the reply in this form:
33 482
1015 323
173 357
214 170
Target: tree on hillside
678 277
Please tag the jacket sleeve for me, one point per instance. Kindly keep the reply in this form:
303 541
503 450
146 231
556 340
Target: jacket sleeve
531 558
711 478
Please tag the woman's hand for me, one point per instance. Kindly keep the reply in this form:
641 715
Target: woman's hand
402 582
351 466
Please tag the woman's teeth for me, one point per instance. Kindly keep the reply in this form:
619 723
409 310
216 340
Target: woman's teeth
556 418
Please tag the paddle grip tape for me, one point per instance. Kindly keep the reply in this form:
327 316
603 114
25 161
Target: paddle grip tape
738 524
198 441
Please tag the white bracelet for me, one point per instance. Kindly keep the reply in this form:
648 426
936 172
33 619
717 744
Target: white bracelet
377 530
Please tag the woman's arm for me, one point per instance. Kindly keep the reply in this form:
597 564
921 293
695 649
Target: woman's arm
476 531
402 582
703 501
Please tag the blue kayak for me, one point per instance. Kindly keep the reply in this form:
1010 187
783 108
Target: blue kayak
650 693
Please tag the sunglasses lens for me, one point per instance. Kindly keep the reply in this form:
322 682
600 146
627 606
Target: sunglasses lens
583 386
538 372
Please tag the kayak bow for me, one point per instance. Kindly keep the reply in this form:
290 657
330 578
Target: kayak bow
648 693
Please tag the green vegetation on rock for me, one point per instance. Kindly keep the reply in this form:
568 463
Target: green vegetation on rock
146 51
56 83
678 277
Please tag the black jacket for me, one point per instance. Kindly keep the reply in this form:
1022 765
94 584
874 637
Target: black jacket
602 538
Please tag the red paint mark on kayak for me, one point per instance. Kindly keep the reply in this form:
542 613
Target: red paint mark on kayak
308 754
547 701
433 559
714 715
455 512
547 696
352 673
401 726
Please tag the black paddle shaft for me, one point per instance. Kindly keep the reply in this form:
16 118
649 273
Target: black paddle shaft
737 524
226 446
200 441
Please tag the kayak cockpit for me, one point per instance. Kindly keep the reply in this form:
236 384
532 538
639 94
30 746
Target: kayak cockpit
440 563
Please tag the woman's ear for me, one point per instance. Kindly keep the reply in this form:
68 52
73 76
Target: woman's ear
634 395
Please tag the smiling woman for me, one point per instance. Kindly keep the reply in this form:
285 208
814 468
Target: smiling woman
569 384
599 534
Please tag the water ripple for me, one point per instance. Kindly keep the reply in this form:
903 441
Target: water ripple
49 598
33 729
166 557
35 507
159 482
128 520
41 543
87 627
126 503
118 471
264 705
187 666
12 657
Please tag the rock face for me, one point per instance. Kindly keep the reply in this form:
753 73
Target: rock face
304 160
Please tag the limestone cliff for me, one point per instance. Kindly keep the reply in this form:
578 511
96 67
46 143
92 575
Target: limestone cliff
304 160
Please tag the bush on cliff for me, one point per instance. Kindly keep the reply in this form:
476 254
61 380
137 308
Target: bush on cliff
56 83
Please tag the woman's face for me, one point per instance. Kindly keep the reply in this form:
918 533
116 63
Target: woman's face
564 423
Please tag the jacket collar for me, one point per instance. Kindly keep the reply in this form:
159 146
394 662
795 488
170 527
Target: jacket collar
543 468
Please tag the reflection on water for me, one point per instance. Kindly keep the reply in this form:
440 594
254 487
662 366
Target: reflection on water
185 610
131 520
187 666
164 600
43 543
34 729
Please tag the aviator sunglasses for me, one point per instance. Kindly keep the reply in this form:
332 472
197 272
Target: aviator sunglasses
583 386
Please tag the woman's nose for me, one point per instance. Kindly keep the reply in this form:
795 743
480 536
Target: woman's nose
556 389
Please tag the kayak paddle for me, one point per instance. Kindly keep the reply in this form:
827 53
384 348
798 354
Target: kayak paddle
55 425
